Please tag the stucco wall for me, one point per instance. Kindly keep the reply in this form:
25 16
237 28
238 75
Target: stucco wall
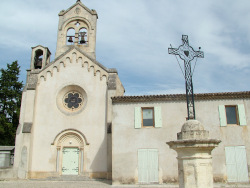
127 140
49 119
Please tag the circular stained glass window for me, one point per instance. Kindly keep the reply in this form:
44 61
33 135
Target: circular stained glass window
73 100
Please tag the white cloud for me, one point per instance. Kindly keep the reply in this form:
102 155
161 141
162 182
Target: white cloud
134 36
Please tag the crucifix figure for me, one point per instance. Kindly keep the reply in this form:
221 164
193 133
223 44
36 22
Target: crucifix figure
187 54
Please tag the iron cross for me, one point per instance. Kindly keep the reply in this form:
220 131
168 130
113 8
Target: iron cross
187 54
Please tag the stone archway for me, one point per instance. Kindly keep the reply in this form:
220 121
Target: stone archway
70 144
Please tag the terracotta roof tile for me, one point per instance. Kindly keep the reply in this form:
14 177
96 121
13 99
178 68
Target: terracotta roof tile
182 97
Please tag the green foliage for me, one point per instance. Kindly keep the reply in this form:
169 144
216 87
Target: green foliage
10 102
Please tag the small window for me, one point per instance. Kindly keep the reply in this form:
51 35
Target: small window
148 117
232 115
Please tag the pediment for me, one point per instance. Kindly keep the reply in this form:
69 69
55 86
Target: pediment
78 2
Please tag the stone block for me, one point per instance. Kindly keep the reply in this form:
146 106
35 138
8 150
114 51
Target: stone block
27 128
112 82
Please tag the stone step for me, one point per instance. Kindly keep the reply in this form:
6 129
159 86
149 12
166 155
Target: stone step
66 178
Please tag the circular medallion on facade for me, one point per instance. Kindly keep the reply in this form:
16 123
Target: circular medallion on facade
73 100
77 11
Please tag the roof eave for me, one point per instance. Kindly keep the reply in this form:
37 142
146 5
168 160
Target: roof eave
181 97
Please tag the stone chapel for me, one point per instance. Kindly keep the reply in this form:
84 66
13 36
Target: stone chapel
74 119
66 104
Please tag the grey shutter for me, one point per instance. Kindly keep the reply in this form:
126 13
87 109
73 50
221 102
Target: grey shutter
158 116
138 117
222 113
242 115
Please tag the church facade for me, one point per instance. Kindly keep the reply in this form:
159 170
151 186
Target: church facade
66 104
75 120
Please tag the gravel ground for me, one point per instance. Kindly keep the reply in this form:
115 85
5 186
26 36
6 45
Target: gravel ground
71 184
90 184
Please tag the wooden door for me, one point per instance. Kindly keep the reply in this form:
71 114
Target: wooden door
148 166
70 163
236 163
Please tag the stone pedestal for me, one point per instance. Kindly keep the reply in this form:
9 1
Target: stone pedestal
194 155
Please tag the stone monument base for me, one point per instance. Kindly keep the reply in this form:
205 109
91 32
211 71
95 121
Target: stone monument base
194 156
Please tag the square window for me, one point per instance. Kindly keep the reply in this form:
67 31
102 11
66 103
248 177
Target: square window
232 115
148 117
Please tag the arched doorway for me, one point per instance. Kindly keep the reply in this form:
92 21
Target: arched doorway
70 146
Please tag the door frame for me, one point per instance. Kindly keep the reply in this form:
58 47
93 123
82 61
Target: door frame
70 138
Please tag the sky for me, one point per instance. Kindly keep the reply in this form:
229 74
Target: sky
133 36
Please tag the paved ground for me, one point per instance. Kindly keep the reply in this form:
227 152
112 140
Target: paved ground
87 184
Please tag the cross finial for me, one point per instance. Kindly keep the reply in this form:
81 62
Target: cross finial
187 54
185 39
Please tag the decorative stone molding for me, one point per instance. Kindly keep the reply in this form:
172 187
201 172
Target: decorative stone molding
61 134
64 106
77 11
78 58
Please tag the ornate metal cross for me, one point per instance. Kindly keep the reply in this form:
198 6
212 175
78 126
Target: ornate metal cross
187 53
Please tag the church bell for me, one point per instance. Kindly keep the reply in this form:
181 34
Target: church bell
82 41
70 39
38 63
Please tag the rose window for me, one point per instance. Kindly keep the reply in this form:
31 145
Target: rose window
73 100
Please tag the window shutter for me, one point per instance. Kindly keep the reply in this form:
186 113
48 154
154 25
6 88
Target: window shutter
242 115
158 117
142 166
138 117
222 112
153 165
231 164
241 163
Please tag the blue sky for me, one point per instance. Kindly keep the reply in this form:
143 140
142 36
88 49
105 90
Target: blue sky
133 36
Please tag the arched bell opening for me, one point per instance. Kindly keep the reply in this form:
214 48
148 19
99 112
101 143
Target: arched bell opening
38 59
83 36
70 36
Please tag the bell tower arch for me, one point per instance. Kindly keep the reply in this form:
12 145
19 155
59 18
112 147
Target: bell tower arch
77 28
40 57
